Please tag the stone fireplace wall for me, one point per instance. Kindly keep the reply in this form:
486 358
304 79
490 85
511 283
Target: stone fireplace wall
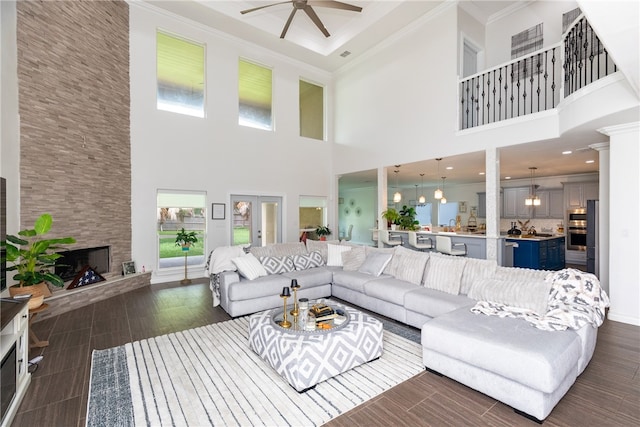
73 73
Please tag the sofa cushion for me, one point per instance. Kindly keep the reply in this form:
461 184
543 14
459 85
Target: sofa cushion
517 273
249 266
388 289
432 303
306 261
522 293
258 288
375 263
334 254
508 347
444 273
277 264
353 259
476 269
311 277
353 280
408 264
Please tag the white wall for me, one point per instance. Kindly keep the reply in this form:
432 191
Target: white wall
499 31
215 154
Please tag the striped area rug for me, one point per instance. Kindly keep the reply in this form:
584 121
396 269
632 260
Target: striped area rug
209 376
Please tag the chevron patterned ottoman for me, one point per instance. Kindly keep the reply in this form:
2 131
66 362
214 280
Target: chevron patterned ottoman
306 358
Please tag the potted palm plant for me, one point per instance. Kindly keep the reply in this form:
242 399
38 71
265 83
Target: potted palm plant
323 231
185 239
392 216
33 258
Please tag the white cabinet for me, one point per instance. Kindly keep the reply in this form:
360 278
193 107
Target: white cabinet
576 194
14 347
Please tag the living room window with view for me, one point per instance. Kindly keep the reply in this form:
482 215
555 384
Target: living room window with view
176 210
180 75
255 95
311 110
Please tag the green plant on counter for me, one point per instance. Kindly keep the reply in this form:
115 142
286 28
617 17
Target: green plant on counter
407 219
392 216
323 230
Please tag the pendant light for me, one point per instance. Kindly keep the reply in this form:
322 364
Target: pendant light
443 200
438 193
397 196
532 199
422 200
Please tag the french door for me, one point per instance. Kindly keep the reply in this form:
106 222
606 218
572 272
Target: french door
256 220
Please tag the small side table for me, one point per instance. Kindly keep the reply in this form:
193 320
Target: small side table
35 341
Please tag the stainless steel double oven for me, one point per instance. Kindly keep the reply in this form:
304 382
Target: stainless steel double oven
577 229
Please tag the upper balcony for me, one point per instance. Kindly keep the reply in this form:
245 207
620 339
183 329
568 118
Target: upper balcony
536 82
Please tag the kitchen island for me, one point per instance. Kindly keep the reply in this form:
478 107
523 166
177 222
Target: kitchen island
476 242
538 252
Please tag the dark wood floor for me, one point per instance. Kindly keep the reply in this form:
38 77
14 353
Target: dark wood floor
606 394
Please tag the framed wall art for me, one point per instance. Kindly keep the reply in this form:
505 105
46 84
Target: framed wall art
217 210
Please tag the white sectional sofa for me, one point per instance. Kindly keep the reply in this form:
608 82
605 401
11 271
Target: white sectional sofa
521 336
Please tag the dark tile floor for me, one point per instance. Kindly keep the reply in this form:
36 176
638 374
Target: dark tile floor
606 394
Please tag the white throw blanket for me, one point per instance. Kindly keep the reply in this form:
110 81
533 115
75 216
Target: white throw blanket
219 261
575 299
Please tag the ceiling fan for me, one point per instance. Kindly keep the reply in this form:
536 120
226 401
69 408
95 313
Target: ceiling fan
306 6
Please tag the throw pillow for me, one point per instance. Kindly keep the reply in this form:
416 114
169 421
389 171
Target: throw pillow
277 264
353 259
306 261
371 250
375 263
320 246
408 265
334 254
445 273
249 266
527 293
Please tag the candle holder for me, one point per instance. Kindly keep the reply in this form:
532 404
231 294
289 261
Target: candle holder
294 286
284 295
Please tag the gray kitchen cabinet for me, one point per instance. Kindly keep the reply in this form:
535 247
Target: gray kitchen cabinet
556 204
514 205
551 204
576 194
482 205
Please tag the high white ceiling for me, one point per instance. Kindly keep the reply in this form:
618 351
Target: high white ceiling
359 32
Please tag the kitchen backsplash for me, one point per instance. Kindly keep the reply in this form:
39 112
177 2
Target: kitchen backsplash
541 225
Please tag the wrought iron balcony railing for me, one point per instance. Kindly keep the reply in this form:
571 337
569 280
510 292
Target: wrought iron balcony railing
529 84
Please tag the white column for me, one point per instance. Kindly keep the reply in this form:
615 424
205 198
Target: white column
382 199
624 233
492 177
603 223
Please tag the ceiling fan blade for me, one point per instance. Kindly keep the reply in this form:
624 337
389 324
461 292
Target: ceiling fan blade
316 20
286 26
334 5
262 7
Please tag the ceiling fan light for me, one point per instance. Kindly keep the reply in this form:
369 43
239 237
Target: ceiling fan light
397 197
438 194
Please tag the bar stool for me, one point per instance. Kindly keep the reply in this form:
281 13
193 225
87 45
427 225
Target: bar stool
419 245
384 237
443 245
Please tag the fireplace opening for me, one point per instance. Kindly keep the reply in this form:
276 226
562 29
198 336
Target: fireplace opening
71 262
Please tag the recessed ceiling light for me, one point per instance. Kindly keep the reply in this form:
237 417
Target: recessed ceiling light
480 173
590 161
567 152
449 168
507 177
